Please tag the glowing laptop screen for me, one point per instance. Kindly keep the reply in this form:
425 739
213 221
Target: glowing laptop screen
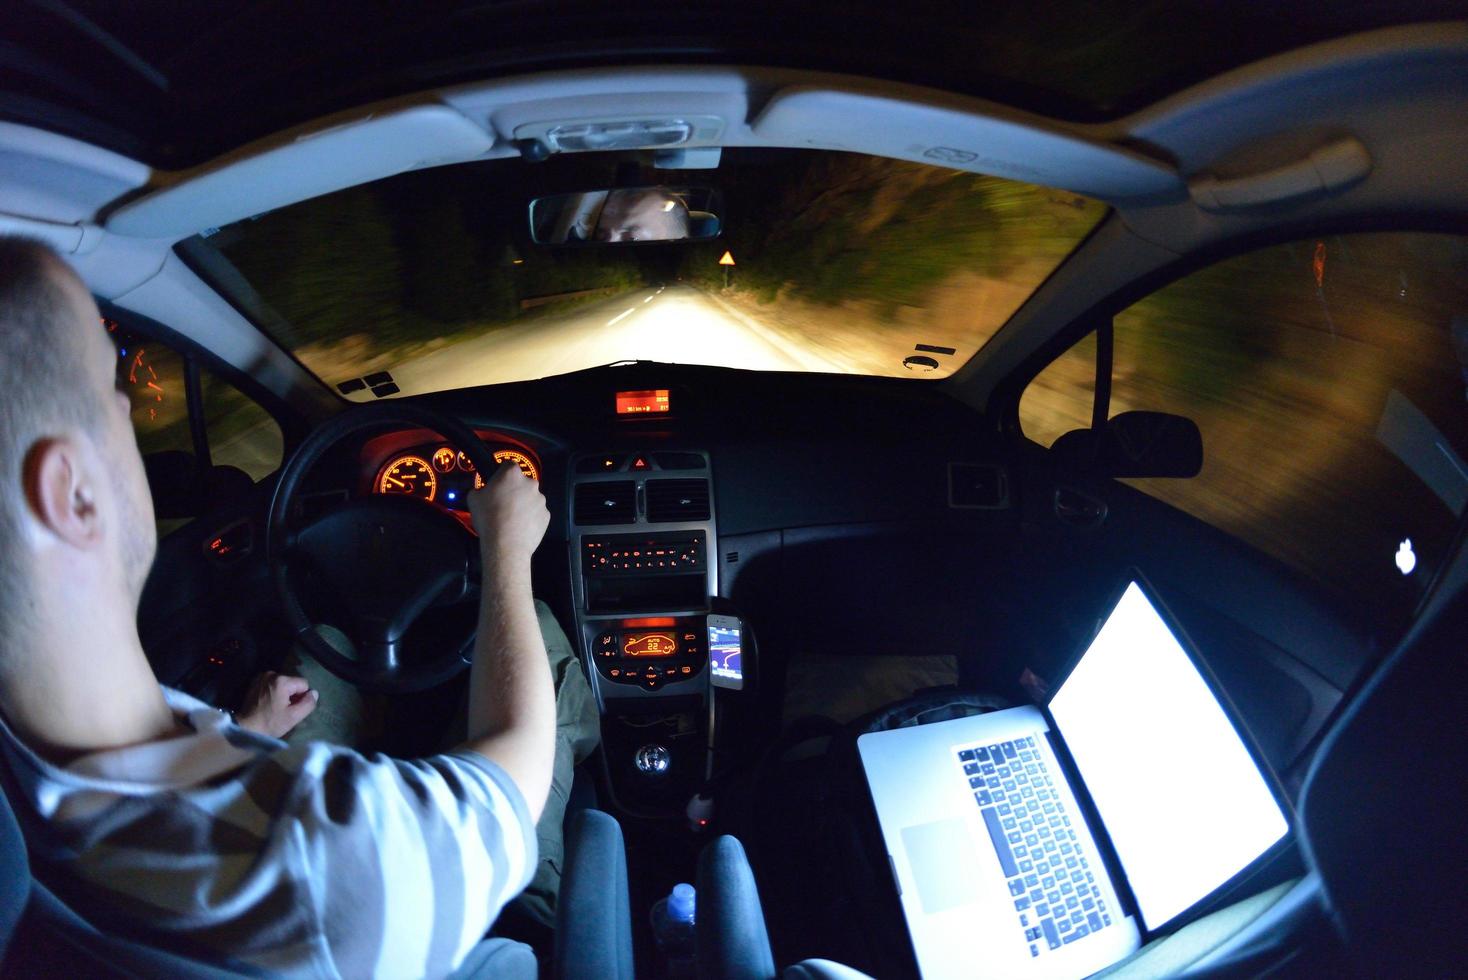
1183 802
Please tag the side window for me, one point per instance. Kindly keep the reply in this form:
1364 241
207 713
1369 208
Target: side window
241 433
152 375
1328 378
1060 397
237 432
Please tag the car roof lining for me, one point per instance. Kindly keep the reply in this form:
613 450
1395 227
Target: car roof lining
176 84
819 112
1413 82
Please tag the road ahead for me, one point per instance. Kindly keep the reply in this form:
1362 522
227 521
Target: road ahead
676 323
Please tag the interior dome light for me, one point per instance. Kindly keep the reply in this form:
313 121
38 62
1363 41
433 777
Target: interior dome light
621 135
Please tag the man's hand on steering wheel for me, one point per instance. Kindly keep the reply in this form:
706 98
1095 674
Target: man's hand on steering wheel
389 561
511 517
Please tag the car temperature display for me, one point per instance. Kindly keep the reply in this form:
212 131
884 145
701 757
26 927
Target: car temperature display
649 645
409 475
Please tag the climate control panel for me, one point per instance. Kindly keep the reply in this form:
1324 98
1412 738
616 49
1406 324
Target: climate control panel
650 653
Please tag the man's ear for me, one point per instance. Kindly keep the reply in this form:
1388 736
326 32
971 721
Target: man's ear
60 494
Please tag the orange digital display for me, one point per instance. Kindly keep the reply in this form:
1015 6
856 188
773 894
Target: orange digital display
650 402
649 644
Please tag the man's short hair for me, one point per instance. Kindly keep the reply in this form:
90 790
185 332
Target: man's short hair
44 389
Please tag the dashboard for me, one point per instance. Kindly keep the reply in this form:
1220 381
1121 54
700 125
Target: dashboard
435 471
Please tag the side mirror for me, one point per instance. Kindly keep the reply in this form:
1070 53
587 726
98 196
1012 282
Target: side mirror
1135 444
626 214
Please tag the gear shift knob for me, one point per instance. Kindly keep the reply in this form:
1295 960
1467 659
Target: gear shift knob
652 759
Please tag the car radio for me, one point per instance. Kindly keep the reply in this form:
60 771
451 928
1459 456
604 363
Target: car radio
677 553
655 571
650 653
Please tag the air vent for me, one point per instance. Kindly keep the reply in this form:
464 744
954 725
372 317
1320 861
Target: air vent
606 503
677 500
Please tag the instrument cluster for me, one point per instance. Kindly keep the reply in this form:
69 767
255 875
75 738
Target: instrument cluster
443 475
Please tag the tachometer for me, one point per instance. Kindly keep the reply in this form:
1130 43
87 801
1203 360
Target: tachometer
409 475
503 456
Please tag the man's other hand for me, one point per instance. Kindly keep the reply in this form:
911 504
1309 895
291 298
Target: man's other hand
510 515
276 703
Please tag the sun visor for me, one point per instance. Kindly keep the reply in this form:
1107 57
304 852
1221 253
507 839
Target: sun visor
910 129
313 164
59 179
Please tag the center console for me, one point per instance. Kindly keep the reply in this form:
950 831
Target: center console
643 533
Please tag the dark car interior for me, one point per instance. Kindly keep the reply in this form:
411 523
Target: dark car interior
892 551
839 518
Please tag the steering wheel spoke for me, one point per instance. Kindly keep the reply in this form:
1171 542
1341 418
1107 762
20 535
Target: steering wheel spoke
377 648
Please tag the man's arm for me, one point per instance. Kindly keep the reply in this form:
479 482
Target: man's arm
512 708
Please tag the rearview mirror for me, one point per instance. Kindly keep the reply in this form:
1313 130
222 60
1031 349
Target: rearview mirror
1135 444
626 214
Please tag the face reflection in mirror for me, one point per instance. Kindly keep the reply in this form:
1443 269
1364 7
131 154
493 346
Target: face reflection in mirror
626 214
646 214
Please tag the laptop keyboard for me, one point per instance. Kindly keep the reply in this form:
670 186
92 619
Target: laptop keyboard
1050 876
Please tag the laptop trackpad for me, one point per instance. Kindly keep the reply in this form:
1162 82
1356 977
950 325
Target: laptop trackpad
941 855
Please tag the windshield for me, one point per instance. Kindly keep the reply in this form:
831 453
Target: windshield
816 261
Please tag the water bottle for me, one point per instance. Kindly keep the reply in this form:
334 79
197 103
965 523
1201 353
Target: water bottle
672 927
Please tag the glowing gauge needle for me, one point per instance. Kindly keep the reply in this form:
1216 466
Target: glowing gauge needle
408 475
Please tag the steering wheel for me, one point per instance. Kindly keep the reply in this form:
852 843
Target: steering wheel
388 559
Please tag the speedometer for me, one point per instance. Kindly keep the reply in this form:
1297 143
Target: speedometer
408 475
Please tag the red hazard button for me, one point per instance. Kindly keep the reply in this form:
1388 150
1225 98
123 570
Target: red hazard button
639 463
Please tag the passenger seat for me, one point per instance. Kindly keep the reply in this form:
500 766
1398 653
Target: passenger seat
734 945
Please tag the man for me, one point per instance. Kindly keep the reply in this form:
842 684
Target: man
644 214
639 214
157 810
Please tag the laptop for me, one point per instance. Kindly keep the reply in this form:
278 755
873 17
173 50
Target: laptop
1052 840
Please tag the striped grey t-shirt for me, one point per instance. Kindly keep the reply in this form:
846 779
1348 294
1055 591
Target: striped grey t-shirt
312 860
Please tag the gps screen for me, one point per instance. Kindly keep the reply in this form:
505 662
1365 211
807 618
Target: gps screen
724 653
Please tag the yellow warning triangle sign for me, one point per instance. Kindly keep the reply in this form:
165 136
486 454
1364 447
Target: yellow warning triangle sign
728 259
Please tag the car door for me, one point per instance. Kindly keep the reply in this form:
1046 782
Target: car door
1327 377
210 448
